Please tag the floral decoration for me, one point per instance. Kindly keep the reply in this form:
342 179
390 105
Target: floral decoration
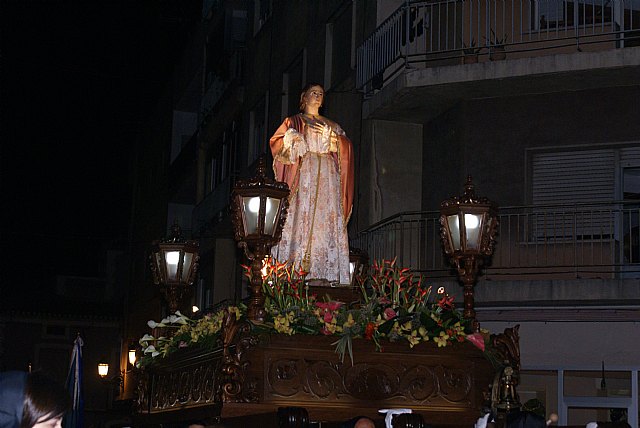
396 306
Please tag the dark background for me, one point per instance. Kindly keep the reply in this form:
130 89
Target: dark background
78 80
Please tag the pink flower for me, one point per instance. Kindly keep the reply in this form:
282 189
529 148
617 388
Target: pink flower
182 344
328 316
477 340
389 314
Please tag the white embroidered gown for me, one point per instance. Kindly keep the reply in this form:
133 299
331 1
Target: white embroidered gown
314 235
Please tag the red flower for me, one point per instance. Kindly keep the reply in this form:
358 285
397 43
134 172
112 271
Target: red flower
369 331
329 306
446 302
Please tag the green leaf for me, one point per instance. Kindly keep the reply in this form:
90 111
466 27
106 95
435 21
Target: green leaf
386 326
426 321
344 345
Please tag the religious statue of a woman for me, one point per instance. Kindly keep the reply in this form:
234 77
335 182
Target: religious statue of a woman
313 155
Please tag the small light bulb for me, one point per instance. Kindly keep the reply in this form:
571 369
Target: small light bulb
254 204
471 221
173 257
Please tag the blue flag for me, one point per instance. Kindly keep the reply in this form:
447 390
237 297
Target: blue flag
74 418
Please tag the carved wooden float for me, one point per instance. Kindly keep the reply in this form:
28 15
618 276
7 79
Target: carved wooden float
247 378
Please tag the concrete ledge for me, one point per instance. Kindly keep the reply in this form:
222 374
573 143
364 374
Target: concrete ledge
420 94
552 293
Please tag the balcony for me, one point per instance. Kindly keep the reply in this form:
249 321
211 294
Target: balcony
563 242
549 261
444 51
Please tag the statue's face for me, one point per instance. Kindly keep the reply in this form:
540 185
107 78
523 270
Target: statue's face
314 96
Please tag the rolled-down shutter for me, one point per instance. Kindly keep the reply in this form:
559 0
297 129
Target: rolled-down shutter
561 182
630 156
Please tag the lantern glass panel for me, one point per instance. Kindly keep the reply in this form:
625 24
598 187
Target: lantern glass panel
352 269
472 226
172 258
251 208
186 267
454 229
103 369
271 211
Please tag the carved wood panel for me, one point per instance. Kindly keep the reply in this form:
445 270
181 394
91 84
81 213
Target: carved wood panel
411 382
187 386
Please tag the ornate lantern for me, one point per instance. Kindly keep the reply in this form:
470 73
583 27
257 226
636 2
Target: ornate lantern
174 263
258 212
116 380
468 227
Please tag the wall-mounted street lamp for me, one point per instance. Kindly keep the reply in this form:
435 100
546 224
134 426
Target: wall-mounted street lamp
132 354
103 369
174 263
468 226
258 212
103 372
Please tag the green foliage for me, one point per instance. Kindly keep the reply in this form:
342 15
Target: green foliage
396 306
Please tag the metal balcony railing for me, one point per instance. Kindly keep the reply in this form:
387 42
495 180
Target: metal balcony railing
533 242
421 33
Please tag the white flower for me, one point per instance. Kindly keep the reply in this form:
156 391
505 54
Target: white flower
145 339
153 324
150 349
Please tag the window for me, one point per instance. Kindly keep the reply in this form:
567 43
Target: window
572 179
184 126
574 192
582 395
257 129
221 161
209 175
339 46
261 13
559 14
235 29
292 85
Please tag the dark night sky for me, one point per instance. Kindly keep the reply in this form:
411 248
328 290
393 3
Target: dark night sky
76 79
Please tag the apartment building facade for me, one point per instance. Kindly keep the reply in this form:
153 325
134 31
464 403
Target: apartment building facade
536 100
